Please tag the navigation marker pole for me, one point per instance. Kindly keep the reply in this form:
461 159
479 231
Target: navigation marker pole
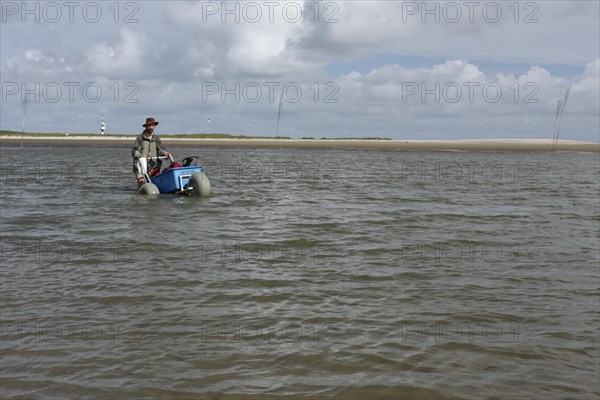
279 112
24 103
560 109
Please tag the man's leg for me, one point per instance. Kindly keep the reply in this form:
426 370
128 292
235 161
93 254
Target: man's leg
142 168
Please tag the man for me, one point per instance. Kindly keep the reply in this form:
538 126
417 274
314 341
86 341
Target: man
146 146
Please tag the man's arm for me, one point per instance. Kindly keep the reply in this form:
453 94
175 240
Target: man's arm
137 147
162 152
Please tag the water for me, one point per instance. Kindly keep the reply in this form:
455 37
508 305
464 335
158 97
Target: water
307 274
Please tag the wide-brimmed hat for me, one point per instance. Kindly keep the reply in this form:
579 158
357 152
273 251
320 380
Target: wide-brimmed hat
150 121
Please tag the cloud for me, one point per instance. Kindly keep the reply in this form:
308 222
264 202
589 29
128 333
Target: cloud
35 63
124 59
245 45
38 56
585 91
461 91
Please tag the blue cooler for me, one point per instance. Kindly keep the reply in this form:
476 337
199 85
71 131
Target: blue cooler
174 180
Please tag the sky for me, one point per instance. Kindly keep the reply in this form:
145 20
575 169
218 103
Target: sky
428 70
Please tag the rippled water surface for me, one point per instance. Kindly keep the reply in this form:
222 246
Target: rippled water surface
308 273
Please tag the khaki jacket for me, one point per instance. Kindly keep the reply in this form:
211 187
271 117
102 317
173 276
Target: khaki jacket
146 147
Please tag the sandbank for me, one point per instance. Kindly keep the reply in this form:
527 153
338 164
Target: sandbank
500 145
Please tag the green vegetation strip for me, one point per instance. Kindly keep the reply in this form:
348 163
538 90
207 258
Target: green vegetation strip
176 136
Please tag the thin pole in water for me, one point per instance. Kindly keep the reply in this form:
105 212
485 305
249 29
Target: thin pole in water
24 103
560 109
279 112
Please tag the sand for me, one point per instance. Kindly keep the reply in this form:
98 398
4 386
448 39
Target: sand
511 145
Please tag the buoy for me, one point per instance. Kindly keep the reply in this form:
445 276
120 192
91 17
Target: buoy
200 183
149 189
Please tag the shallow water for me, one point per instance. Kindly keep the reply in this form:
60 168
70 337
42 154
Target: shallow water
308 273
